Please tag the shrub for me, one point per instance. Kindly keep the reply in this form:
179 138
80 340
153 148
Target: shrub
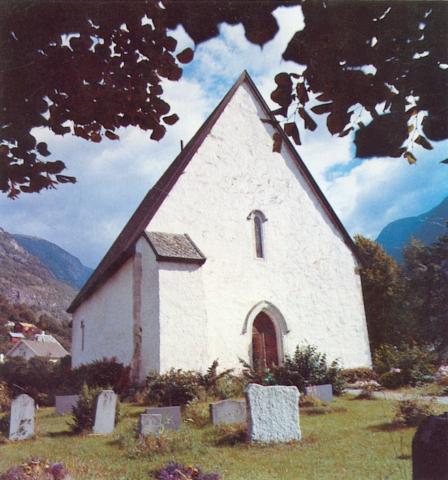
175 471
105 373
150 446
392 380
305 402
306 367
176 387
4 426
353 375
230 386
37 469
411 412
366 393
5 397
416 363
210 381
197 414
83 413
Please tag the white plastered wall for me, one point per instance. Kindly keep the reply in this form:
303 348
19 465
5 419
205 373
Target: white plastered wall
150 349
308 272
183 317
107 316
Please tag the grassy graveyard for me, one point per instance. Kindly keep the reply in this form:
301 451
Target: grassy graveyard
353 439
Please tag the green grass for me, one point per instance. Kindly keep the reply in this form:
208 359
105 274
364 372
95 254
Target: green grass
355 441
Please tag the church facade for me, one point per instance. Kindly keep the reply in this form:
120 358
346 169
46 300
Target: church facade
234 253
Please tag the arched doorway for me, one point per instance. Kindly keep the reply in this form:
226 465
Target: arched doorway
264 342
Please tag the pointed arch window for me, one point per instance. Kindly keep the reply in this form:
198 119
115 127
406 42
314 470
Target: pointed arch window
258 218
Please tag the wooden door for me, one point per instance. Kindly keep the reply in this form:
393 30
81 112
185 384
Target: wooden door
264 342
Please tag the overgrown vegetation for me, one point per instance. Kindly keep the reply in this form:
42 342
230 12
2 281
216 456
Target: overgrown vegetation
404 365
43 379
406 304
36 469
306 367
411 413
175 471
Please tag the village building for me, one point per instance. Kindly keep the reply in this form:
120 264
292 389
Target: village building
33 348
235 253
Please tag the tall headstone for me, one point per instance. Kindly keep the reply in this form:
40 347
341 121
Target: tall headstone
273 413
21 423
150 424
105 412
429 449
171 416
228 412
65 403
324 393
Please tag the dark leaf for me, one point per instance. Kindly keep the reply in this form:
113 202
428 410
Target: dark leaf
292 131
111 135
322 108
410 158
445 161
283 80
158 133
171 119
269 121
42 149
422 141
186 56
302 93
277 146
65 179
310 124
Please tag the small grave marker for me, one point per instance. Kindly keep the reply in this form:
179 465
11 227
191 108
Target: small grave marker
21 424
150 424
228 412
323 393
105 412
171 416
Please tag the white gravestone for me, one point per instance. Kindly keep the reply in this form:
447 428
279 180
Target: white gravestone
21 423
150 424
105 412
65 403
273 413
228 412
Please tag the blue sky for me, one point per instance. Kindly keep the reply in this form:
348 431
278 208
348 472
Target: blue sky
114 176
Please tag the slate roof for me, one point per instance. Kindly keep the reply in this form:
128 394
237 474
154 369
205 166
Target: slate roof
124 246
173 247
43 349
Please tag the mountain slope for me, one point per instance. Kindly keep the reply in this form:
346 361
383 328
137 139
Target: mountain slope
426 227
24 279
62 264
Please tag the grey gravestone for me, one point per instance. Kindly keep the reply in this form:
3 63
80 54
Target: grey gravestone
321 392
171 417
228 411
150 424
105 412
65 403
429 449
21 423
273 413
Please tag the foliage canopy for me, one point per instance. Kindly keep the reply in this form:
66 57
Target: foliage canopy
88 68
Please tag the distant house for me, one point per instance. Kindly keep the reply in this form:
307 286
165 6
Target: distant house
24 327
32 348
15 337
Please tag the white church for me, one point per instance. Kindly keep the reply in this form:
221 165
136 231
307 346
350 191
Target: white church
234 253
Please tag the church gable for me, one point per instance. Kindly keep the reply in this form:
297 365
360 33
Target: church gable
224 134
